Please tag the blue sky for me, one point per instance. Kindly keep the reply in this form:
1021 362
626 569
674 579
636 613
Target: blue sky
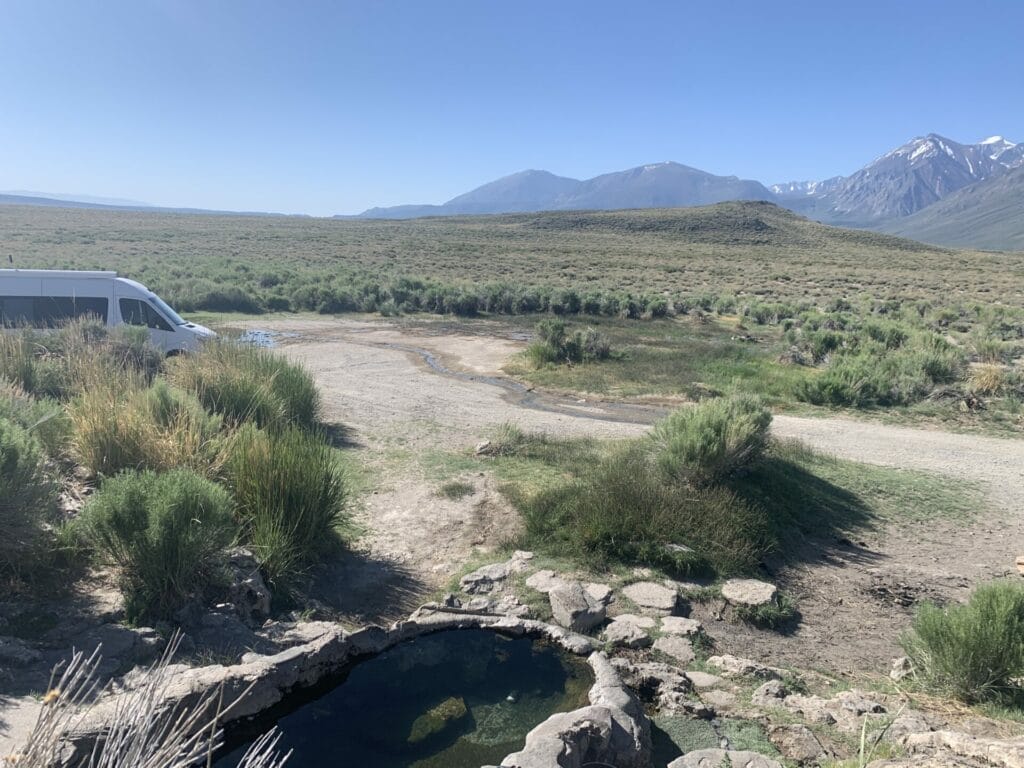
333 107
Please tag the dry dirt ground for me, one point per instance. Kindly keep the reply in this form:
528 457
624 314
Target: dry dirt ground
408 390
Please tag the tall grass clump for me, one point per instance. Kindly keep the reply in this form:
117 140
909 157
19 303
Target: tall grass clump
245 383
621 510
27 497
163 531
974 651
704 444
159 427
290 496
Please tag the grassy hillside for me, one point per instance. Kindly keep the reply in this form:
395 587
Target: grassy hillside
989 214
747 248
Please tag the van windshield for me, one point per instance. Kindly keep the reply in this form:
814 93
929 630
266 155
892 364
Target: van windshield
164 307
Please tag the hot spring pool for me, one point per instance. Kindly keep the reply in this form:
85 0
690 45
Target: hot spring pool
455 699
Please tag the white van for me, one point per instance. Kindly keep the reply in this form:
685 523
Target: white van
45 298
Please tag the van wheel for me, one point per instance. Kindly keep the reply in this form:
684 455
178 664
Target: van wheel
175 353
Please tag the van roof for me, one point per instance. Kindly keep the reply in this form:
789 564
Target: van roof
54 273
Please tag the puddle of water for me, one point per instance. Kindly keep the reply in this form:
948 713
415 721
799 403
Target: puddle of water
456 699
258 338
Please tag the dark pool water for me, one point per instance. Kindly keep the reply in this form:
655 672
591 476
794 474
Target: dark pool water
456 699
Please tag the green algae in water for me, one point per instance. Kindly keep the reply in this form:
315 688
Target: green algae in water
455 699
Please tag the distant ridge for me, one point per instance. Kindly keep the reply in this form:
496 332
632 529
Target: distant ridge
52 202
658 185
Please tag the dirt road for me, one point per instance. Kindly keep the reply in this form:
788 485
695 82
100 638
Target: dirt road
414 390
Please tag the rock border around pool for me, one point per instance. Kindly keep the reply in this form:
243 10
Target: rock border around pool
612 729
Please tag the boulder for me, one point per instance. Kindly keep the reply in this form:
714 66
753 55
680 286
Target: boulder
769 694
600 592
594 735
574 607
748 592
798 743
489 577
247 591
544 581
734 666
701 680
722 702
677 625
628 632
719 758
678 648
652 597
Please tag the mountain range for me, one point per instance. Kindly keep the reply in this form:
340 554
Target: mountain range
931 188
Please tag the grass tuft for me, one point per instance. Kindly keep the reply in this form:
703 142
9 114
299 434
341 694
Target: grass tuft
245 383
290 497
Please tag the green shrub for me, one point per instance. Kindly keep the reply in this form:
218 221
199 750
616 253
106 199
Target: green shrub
27 497
245 383
158 428
703 444
975 651
873 374
621 510
556 345
43 417
163 531
290 496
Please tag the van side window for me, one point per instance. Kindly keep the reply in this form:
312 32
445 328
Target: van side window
137 312
54 311
17 310
49 311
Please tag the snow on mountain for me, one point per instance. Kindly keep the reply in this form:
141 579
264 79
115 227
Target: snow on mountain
917 174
